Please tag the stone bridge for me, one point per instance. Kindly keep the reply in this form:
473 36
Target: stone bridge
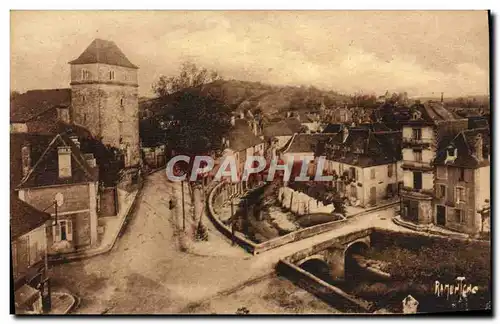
334 253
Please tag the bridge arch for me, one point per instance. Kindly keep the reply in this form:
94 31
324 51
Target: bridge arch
317 265
351 268
319 257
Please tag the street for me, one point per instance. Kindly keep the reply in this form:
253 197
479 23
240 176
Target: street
148 272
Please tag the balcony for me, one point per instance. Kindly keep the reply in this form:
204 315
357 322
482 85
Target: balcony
417 165
417 142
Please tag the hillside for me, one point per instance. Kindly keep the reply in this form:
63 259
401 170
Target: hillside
270 99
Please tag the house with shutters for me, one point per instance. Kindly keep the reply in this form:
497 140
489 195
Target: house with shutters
29 251
365 163
64 182
462 182
424 136
242 141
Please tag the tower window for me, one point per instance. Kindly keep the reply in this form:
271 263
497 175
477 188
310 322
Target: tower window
121 102
85 74
111 75
84 99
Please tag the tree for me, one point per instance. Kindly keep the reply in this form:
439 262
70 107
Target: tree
202 121
190 76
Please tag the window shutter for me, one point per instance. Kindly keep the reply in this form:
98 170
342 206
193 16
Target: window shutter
34 252
56 233
69 229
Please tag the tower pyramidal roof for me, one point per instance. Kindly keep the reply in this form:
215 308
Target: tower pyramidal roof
105 52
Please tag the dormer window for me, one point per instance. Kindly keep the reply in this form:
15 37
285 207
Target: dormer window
85 74
451 151
111 75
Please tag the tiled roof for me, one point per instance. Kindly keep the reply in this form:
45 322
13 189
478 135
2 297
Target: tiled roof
363 147
464 142
24 218
27 106
294 124
241 136
279 128
302 143
105 52
332 128
38 143
45 171
437 112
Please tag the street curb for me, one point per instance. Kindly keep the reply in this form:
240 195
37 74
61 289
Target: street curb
90 254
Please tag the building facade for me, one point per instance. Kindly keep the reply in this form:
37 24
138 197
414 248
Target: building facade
29 252
64 182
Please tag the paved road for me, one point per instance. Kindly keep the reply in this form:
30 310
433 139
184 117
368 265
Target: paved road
147 273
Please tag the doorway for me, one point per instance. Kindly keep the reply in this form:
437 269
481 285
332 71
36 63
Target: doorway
373 196
440 215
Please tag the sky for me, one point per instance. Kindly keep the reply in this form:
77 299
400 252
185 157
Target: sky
421 52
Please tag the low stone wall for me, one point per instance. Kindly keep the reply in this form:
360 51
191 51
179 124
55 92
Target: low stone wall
300 203
218 195
323 290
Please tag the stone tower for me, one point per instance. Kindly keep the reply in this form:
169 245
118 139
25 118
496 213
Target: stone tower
104 97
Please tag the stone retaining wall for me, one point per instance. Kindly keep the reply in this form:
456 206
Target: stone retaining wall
221 193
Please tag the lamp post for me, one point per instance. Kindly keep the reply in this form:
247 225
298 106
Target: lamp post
45 282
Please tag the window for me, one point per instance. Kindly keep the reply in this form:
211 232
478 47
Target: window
85 74
417 180
459 216
390 170
461 174
372 174
417 133
442 172
417 155
111 75
63 231
84 99
460 195
352 173
441 191
121 102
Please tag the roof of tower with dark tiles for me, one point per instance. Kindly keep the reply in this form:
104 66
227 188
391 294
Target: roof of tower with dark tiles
105 52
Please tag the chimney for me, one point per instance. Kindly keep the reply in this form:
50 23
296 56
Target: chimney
75 140
26 158
233 120
63 114
478 146
442 97
64 161
242 115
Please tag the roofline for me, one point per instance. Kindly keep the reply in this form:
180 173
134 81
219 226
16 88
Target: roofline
132 66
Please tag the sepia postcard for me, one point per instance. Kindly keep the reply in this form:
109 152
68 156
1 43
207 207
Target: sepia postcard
250 162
